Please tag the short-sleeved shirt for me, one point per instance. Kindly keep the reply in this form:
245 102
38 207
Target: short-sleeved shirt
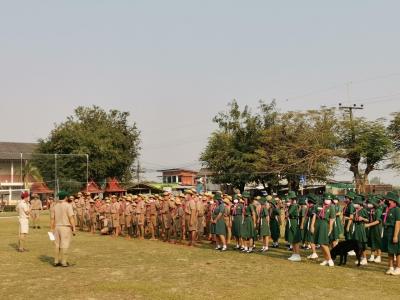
23 210
36 204
393 216
190 207
349 210
61 213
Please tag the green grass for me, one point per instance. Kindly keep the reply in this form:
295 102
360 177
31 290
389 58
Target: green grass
107 268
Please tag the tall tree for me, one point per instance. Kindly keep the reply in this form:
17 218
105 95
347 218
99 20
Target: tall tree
111 142
365 145
394 129
231 150
299 144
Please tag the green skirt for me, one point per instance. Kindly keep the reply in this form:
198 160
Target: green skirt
212 228
293 232
220 227
336 230
264 228
348 234
375 237
359 233
248 231
308 236
321 234
393 249
275 229
237 226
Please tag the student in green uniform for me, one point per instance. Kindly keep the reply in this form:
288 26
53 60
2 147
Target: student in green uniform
220 226
302 219
308 235
294 233
263 223
249 226
392 231
348 215
337 225
360 219
275 222
322 227
214 212
374 229
237 220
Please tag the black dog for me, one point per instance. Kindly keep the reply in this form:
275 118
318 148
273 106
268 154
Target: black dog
346 246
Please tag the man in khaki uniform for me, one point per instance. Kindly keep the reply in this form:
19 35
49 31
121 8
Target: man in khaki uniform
153 207
190 216
200 217
36 207
115 208
63 227
128 217
140 216
122 207
80 207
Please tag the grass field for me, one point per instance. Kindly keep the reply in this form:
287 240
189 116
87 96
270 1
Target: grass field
107 268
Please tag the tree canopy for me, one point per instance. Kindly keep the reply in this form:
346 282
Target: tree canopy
109 139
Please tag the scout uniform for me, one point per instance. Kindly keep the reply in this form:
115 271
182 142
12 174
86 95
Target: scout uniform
122 207
178 220
92 216
227 218
348 215
302 217
237 220
293 228
36 207
80 207
128 216
360 218
375 232
390 222
63 226
190 215
323 214
274 223
264 229
140 216
152 209
115 215
200 218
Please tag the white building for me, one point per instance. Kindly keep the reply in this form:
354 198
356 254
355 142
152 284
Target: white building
12 159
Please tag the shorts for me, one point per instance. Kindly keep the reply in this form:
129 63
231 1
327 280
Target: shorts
115 220
187 224
35 214
23 226
63 235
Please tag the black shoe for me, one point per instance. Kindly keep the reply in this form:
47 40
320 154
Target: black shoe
38 227
57 265
66 265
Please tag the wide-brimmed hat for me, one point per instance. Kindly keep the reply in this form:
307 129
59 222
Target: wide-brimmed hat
392 196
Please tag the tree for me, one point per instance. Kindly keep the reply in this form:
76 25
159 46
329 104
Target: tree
299 144
394 129
365 145
107 137
231 149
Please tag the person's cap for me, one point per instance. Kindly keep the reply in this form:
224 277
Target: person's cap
327 196
312 198
91 201
226 200
392 196
113 196
291 195
208 194
246 194
262 200
374 201
24 195
178 201
269 198
190 192
108 201
358 200
302 200
62 195
217 196
351 195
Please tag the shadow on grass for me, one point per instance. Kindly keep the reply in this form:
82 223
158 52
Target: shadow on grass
46 259
14 246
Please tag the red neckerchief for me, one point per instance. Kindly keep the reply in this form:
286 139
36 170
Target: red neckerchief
345 208
321 214
388 209
356 213
234 209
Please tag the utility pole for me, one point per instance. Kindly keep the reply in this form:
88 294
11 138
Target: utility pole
349 110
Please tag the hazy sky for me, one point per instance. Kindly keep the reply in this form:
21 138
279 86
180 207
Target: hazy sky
174 64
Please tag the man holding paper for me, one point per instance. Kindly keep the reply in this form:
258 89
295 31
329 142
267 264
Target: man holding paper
63 227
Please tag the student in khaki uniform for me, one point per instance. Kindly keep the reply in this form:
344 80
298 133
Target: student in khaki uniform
92 216
190 216
23 211
122 207
178 220
115 208
80 208
128 217
166 217
140 216
63 227
152 210
227 218
200 217
86 215
36 208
